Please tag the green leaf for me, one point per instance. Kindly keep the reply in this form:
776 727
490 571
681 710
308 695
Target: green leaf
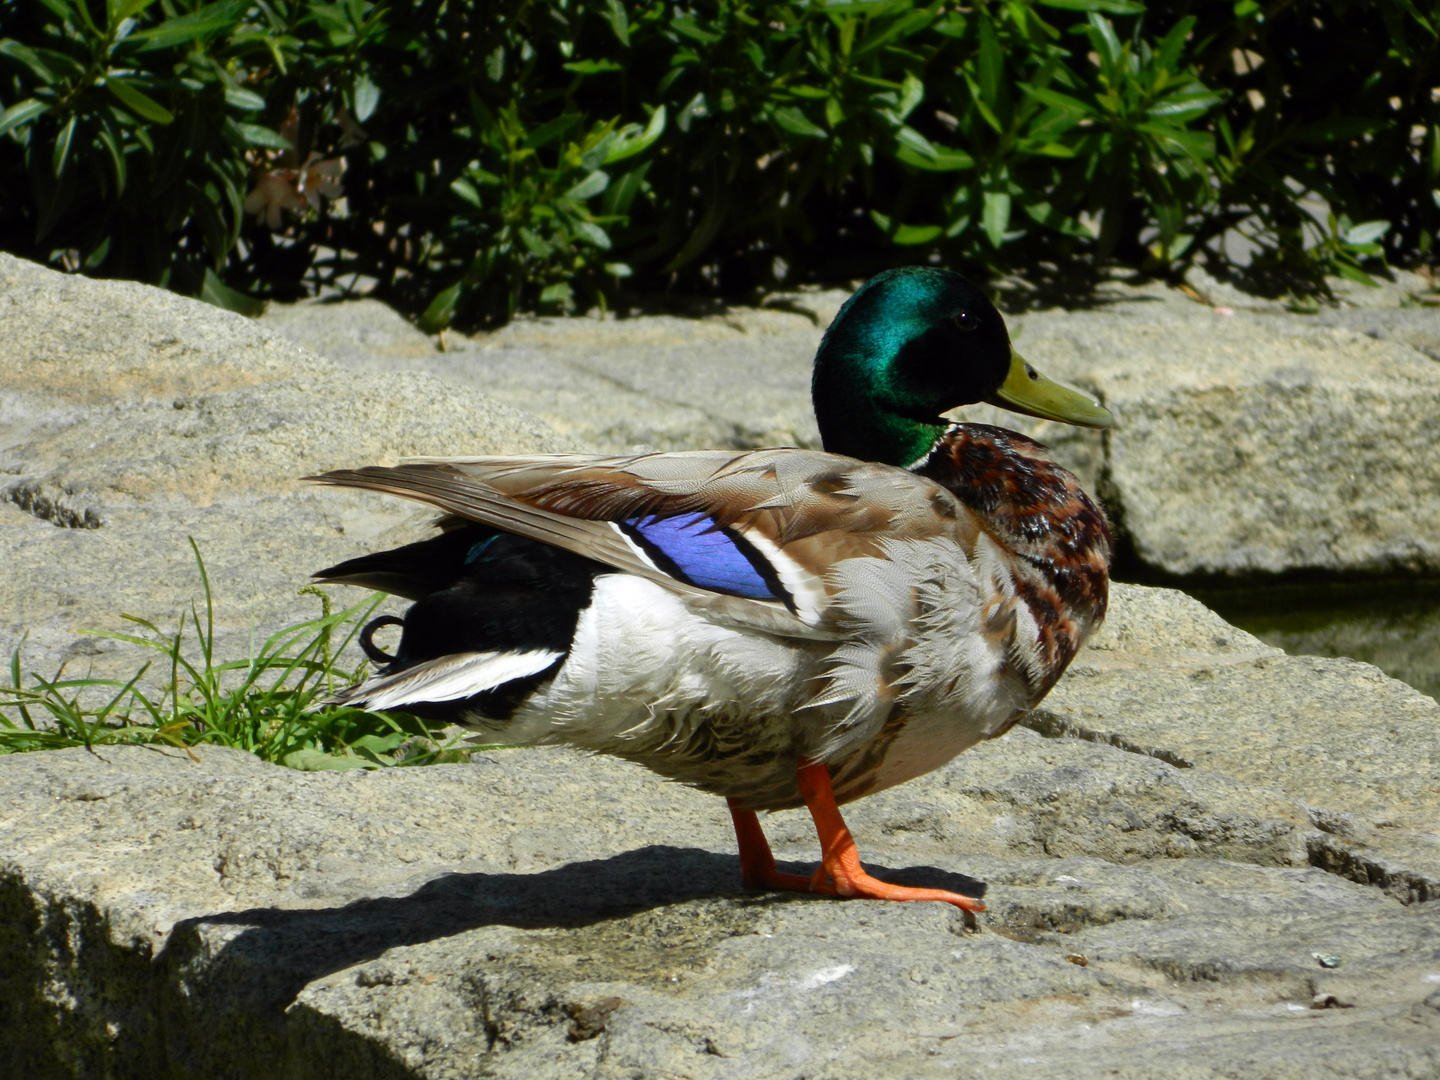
632 141
995 217
592 67
942 160
239 98
592 234
692 30
912 92
710 222
22 112
977 98
131 8
1167 54
621 194
756 54
1052 149
992 64
204 205
117 155
534 244
1353 273
904 26
588 188
1112 7
138 102
81 11
310 759
1072 106
466 190
183 28
1366 232
379 744
917 144
796 122
259 135
216 292
1103 37
30 58
910 235
619 21
441 310
367 96
1414 13
1183 106
1198 146
548 132
62 146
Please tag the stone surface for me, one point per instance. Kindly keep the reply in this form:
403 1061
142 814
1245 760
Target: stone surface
132 419
740 378
1202 857
1258 443
1358 750
1165 893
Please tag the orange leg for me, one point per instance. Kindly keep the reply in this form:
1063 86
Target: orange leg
757 865
840 873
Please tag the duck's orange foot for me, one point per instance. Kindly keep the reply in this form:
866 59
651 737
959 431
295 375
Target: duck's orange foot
757 864
840 874
846 877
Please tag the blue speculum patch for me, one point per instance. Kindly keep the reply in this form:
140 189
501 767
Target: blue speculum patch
696 550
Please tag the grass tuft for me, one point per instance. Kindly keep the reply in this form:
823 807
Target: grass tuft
265 704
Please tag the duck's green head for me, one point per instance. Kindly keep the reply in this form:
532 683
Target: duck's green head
914 343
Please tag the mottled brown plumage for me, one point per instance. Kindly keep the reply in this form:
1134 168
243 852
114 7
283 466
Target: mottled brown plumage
1039 512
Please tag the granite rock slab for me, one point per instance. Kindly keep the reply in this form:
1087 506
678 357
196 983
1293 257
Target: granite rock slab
1201 856
1252 444
133 420
1160 898
739 378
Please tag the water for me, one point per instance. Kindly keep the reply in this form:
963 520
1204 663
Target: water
1394 625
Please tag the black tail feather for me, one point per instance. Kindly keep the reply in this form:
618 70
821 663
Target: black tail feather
475 590
413 571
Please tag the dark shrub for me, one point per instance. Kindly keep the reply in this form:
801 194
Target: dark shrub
506 155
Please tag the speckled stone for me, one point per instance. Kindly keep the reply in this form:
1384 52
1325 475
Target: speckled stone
1201 857
1154 902
132 420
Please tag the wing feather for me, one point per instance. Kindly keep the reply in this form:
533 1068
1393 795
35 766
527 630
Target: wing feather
803 511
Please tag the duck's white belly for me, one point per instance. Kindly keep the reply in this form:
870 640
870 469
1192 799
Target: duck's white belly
646 678
732 710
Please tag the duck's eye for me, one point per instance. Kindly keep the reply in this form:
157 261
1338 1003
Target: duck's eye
966 321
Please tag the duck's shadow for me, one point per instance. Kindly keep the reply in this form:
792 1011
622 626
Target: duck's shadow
279 951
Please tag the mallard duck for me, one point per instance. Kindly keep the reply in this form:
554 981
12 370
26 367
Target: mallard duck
778 627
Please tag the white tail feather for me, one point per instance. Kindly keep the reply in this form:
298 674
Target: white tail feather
446 678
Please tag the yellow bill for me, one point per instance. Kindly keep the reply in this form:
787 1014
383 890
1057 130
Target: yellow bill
1026 391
